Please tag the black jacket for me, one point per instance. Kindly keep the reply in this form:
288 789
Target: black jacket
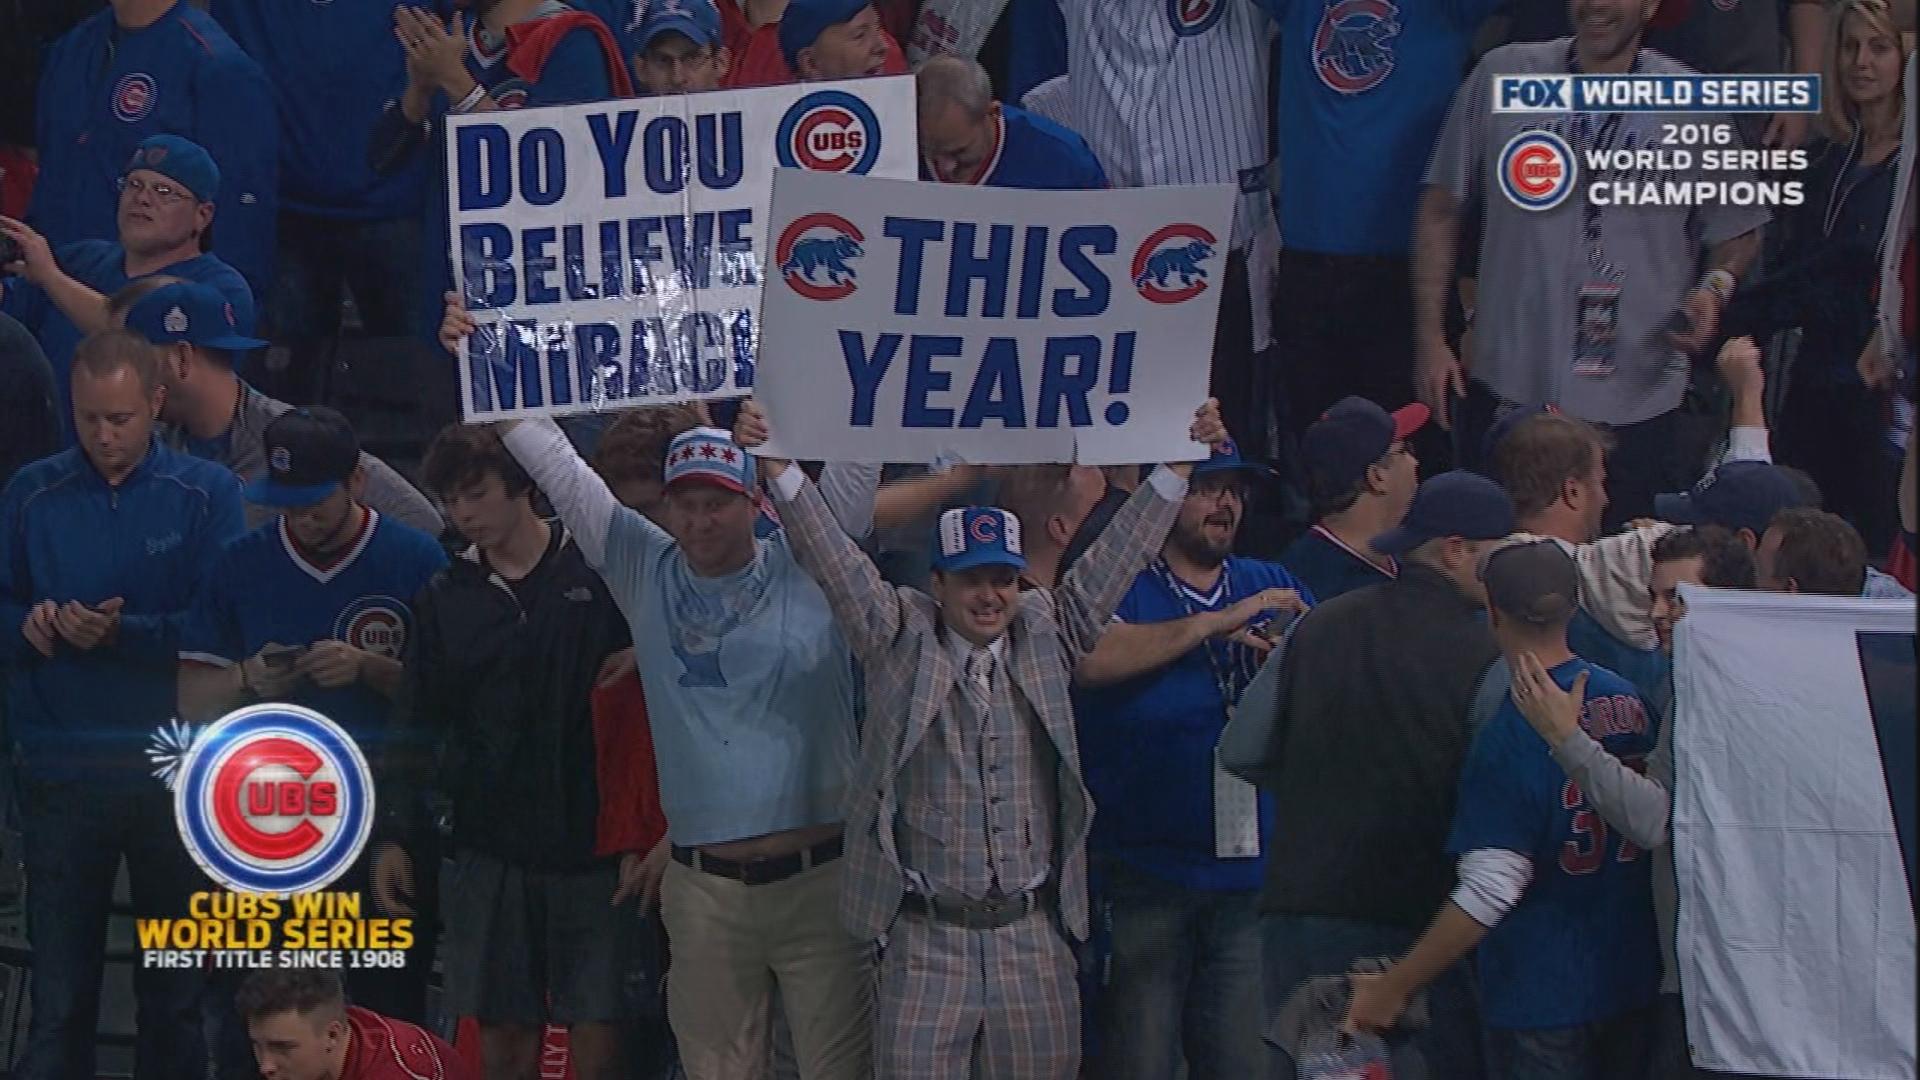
499 685
1366 750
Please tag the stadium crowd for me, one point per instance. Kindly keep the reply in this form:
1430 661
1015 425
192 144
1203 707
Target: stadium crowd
741 767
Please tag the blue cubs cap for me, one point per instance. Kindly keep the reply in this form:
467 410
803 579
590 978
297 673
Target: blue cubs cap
697 20
1351 436
1458 503
1225 458
181 160
1736 495
802 22
310 453
977 536
191 312
706 455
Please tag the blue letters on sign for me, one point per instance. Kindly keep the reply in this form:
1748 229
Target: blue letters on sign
922 380
543 167
999 371
991 270
865 371
536 264
1075 244
486 264
485 155
914 234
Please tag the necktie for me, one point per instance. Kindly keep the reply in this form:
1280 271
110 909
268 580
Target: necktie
980 679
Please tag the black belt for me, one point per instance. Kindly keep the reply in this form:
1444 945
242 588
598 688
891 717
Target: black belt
762 871
989 914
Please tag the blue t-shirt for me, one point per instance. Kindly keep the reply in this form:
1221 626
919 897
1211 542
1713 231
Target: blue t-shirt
1329 567
1038 154
106 88
101 265
1364 86
1580 946
266 592
1146 744
327 62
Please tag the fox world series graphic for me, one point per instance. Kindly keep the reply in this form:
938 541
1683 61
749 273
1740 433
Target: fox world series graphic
1646 140
274 802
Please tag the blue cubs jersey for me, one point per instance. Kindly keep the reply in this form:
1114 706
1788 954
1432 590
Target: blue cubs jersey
328 61
1580 945
1035 153
101 265
267 592
1146 744
1366 85
106 88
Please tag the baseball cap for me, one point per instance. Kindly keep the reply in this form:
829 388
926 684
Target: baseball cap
1457 503
1354 434
310 453
180 160
1734 494
1225 458
802 22
708 455
191 312
1535 583
698 20
978 536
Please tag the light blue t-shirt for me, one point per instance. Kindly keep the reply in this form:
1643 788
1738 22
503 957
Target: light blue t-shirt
749 686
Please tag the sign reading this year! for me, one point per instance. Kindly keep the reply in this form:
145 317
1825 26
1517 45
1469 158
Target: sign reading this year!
612 253
907 321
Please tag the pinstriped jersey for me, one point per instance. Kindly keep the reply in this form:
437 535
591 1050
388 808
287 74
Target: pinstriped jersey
1172 92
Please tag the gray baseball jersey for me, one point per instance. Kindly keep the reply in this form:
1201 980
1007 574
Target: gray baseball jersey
1173 92
1534 264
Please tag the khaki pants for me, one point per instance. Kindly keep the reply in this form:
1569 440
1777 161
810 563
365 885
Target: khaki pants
733 944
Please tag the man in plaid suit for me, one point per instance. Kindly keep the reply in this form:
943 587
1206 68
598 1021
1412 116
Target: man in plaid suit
968 817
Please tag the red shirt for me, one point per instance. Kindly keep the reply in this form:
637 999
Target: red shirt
631 818
758 61
387 1049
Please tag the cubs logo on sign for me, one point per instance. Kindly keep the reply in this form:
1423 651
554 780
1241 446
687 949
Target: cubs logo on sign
274 799
1536 170
1190 17
829 131
816 253
133 97
375 624
1353 45
1170 267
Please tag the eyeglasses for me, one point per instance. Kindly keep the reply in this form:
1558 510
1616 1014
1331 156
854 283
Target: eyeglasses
161 192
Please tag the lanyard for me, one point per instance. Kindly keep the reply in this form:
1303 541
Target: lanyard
1587 137
1232 678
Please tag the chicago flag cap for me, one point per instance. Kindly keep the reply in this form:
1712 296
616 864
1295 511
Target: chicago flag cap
708 455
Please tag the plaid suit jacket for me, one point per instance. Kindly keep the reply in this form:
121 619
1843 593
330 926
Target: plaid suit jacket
897 635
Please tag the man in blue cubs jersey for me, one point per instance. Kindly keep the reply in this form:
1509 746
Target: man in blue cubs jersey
144 68
966 137
1177 844
164 213
312 609
1569 965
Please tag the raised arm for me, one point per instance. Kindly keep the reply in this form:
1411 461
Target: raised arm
1638 806
869 610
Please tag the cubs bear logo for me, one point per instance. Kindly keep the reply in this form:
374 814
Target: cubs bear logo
1536 170
374 624
1168 268
1193 17
815 255
1353 45
134 96
829 131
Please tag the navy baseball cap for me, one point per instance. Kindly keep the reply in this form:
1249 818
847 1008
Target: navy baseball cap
1457 503
1354 434
977 536
1734 494
1534 583
181 160
191 312
1225 458
697 20
802 22
310 453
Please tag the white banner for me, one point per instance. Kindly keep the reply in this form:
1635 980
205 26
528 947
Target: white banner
612 253
911 321
1796 933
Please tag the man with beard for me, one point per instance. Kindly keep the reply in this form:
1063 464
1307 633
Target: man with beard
1178 845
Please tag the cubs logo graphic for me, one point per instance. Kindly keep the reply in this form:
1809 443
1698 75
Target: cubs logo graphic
1536 170
1168 267
133 97
375 624
815 255
1191 17
175 321
511 94
829 131
280 460
1353 45
274 799
985 529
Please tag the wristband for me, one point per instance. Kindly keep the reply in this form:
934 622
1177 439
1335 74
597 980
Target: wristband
1720 283
473 98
